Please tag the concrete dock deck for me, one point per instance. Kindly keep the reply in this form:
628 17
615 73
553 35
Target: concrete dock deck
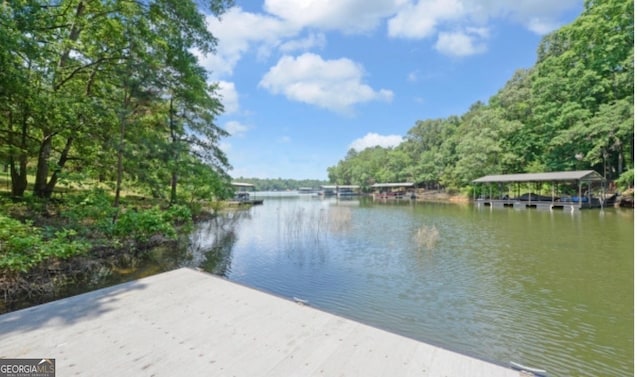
188 323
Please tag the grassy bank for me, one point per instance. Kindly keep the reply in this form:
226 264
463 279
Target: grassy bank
51 245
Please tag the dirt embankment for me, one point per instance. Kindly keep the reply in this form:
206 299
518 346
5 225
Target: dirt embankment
53 279
626 199
440 196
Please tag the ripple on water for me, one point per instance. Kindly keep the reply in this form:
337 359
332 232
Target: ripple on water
501 285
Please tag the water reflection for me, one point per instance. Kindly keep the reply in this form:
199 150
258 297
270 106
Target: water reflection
211 243
550 289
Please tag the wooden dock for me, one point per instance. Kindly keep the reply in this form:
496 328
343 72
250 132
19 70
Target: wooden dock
188 323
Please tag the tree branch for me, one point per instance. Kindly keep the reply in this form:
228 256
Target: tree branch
80 69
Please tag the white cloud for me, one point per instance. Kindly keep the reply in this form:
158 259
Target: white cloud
418 75
350 16
235 128
335 85
462 43
480 32
420 20
238 32
284 139
229 96
317 40
541 26
278 29
539 16
374 139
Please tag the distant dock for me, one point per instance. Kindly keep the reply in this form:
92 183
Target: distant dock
242 197
188 323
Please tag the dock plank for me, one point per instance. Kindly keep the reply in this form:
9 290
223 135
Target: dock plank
186 323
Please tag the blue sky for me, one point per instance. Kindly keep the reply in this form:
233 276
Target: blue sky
303 81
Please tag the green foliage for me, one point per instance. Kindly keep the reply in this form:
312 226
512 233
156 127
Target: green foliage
84 215
535 167
573 110
22 246
63 245
92 214
93 204
89 211
203 185
140 225
109 92
178 214
626 180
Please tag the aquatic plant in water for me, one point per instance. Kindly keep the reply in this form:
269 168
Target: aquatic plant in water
300 224
426 237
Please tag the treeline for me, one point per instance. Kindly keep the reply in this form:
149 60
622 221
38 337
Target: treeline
573 110
280 184
109 92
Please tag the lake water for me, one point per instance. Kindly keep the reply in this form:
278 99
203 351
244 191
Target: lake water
552 290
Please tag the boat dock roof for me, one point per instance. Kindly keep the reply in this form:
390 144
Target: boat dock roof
387 185
340 186
242 184
189 323
563 176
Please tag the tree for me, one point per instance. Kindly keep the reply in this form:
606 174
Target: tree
583 70
478 145
604 140
572 110
76 73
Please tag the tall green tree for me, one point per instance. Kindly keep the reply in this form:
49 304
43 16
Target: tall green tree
583 69
77 75
572 110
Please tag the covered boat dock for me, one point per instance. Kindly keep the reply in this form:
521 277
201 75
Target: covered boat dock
394 190
585 181
341 191
242 194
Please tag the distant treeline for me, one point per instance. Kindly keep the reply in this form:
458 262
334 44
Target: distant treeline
573 110
280 184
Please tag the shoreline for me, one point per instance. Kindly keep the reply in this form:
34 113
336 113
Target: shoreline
104 265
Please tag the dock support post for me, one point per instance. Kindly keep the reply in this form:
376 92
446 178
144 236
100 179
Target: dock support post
580 193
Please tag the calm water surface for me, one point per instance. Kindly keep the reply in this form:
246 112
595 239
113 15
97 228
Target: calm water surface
553 290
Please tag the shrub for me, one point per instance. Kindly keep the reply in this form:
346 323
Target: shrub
23 246
626 180
140 225
178 214
63 245
90 211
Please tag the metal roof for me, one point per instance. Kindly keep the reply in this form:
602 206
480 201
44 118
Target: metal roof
340 186
241 184
384 185
580 175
